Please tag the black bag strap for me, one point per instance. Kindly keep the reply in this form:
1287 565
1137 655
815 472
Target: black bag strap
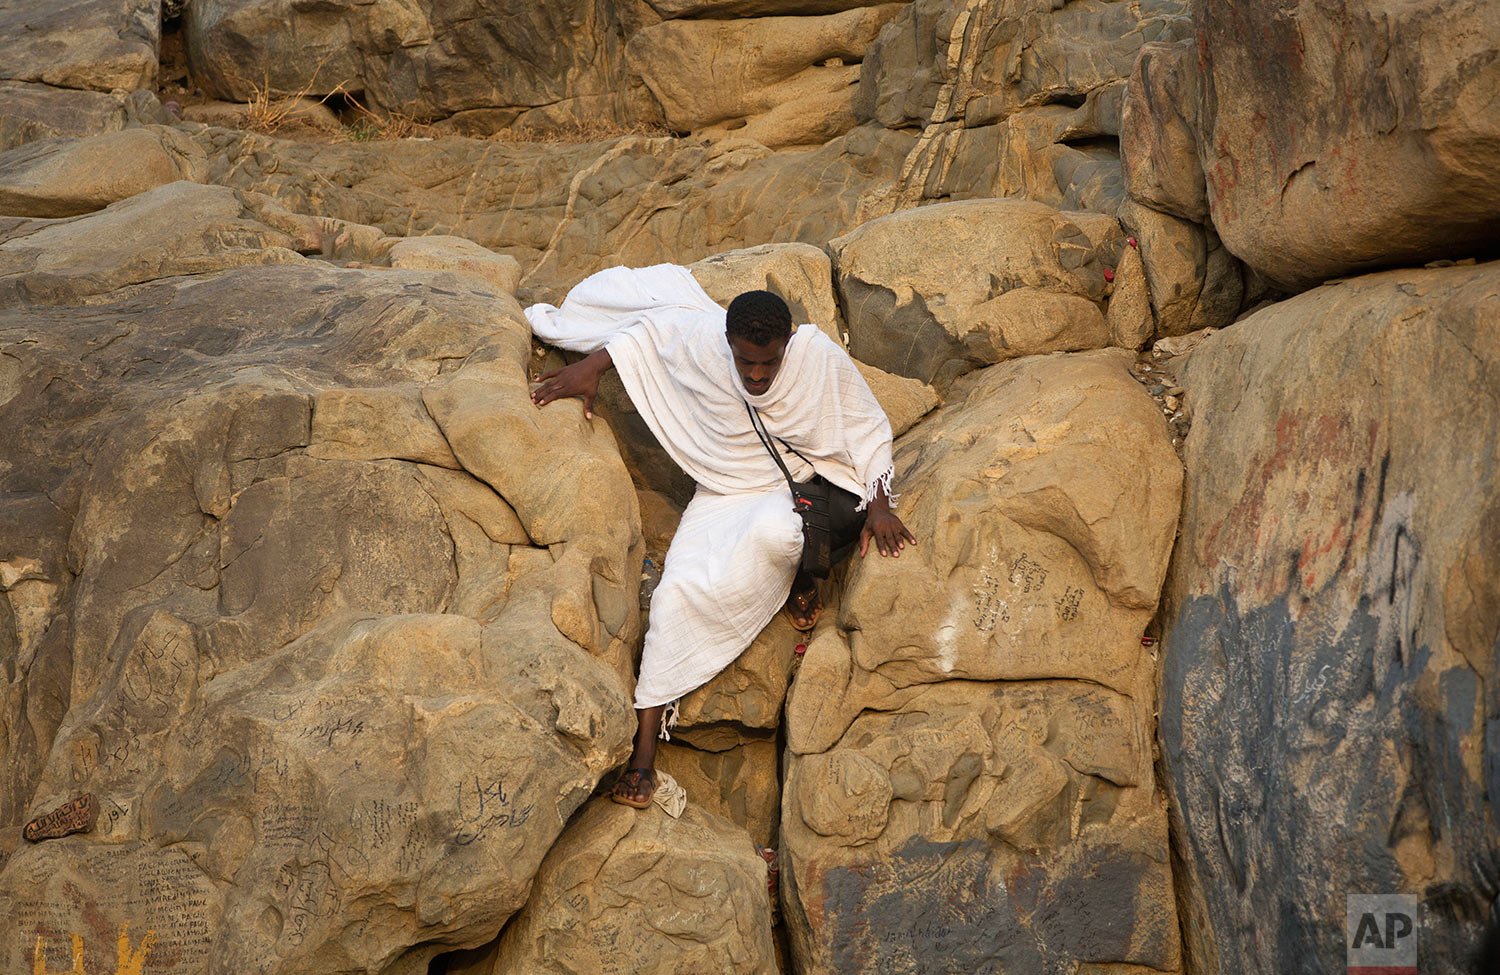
765 439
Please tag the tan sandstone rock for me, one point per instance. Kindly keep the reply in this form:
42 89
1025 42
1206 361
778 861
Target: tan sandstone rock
1193 280
933 292
707 72
65 177
30 111
459 255
565 210
971 773
1159 132
1330 616
1342 137
739 778
637 891
800 273
497 63
302 660
100 45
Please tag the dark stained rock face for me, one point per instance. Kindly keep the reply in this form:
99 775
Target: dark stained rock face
1328 708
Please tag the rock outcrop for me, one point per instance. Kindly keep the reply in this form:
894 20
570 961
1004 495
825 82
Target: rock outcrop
273 581
637 891
970 774
1323 140
933 292
1331 619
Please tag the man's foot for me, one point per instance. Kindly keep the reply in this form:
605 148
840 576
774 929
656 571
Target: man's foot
635 787
803 609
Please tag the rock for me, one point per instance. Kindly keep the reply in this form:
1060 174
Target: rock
565 210
66 177
933 292
1007 825
1131 323
672 9
756 64
741 782
302 666
1052 154
423 60
1332 147
1193 281
1158 132
637 891
1013 99
89 44
1322 613
993 680
185 227
800 273
285 769
460 256
29 112
905 401
986 62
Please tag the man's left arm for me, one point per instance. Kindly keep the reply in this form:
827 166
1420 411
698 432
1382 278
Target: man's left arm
882 525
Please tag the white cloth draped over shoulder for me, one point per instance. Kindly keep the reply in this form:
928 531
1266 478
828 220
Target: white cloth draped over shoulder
731 563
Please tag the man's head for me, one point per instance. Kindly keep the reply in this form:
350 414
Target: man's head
758 326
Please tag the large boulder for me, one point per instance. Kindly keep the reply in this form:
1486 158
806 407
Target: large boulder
1337 137
709 72
1013 99
1327 692
277 591
565 210
1159 132
498 63
1193 282
30 111
98 45
638 891
933 292
973 728
66 177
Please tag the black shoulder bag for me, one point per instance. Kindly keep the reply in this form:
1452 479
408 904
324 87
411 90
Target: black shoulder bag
826 509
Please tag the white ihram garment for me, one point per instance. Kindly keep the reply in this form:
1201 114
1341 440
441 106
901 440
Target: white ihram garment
731 564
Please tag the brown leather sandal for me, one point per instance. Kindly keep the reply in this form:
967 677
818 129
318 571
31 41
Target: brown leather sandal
631 779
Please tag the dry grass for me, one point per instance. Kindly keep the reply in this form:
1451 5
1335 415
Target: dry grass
392 125
267 112
584 130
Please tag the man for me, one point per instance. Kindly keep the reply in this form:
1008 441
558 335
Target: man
703 379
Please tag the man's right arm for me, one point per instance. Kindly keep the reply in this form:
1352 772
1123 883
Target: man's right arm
579 379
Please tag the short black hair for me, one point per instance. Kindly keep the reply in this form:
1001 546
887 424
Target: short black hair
759 317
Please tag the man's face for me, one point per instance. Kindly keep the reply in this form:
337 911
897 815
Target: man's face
756 364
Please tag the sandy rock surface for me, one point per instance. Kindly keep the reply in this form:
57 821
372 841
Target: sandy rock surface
970 745
629 890
274 640
1346 137
1330 613
92 45
66 177
933 292
33 111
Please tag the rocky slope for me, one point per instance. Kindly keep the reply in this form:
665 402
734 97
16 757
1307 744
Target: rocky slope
338 632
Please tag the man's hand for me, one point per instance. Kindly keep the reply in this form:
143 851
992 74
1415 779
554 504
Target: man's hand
885 528
579 379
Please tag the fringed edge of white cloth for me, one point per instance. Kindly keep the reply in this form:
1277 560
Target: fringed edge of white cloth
883 483
669 720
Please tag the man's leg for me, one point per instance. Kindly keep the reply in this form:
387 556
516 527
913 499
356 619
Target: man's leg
636 785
